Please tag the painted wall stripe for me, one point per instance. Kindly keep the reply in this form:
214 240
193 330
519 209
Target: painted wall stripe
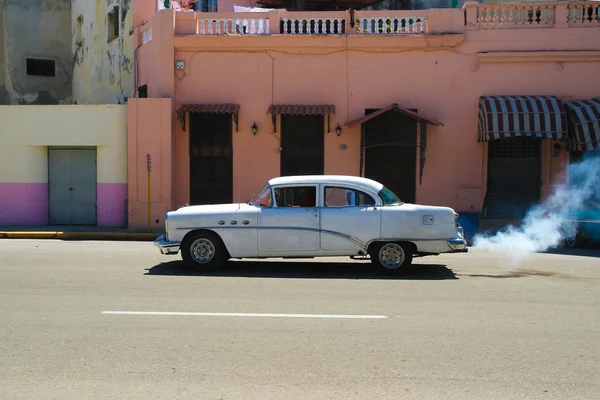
256 315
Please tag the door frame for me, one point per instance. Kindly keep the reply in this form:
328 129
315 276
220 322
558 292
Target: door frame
63 147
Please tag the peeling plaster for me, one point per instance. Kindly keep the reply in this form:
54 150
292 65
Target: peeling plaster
35 29
102 70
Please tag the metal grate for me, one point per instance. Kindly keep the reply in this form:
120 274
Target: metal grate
516 147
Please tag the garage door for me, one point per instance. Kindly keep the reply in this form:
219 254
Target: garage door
72 186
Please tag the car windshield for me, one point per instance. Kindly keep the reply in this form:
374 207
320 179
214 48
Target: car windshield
388 197
263 198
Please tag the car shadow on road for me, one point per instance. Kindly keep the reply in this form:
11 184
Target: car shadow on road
304 270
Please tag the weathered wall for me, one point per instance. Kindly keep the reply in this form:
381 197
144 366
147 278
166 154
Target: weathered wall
24 142
102 69
36 29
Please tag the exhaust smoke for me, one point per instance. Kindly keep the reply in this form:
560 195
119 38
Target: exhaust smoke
547 224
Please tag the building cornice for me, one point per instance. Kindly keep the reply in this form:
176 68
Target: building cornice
374 43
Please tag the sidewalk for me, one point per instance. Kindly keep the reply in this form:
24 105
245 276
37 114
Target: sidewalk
70 232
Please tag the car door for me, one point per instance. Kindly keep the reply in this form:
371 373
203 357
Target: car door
291 226
349 218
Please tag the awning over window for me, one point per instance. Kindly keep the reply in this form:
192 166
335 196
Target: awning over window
210 108
221 108
394 107
502 117
301 109
584 117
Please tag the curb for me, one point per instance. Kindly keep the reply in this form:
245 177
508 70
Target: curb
80 235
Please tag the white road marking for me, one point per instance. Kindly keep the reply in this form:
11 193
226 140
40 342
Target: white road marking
208 314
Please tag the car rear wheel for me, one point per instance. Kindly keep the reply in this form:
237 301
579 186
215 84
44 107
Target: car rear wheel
204 250
391 257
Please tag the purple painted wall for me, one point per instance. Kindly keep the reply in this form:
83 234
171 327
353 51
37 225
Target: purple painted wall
23 203
26 204
111 204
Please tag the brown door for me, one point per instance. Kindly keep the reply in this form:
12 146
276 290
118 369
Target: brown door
302 145
211 159
390 146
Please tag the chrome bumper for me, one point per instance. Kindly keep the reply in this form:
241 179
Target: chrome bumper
167 247
458 245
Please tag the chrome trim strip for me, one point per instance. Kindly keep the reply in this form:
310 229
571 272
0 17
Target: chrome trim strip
353 239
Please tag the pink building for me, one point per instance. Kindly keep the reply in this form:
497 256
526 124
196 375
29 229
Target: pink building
471 108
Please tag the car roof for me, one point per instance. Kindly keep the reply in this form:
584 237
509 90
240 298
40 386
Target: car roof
328 179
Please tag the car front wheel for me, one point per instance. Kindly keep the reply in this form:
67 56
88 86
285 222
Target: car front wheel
391 257
204 250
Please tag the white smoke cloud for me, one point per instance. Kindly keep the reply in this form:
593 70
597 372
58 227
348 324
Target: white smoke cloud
546 225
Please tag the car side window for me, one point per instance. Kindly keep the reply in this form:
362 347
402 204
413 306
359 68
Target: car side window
346 197
296 196
264 198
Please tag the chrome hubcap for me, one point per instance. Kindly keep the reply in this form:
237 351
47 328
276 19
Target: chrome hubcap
202 251
391 256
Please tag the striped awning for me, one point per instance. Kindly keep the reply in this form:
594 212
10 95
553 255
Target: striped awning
502 117
584 120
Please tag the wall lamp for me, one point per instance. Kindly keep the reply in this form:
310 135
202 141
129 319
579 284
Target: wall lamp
338 129
254 128
556 150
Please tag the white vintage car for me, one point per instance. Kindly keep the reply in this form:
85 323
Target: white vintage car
313 216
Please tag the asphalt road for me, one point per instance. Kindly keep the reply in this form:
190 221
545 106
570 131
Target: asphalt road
465 326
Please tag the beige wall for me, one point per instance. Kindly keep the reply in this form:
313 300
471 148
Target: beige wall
27 131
